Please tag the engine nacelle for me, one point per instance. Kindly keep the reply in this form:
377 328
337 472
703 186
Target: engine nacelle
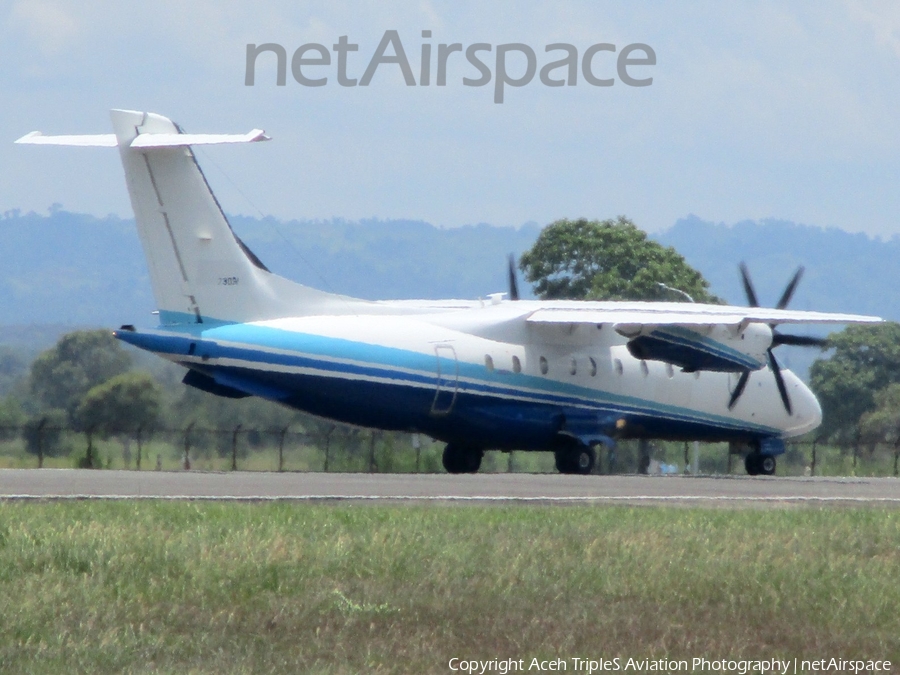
717 348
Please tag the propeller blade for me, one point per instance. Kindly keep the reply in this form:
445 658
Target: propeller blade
513 281
739 389
789 290
799 341
779 380
748 286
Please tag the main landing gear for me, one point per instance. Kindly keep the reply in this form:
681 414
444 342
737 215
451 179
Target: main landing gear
462 459
758 464
579 459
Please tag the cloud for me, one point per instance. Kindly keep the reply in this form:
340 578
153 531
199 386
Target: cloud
52 26
758 108
882 17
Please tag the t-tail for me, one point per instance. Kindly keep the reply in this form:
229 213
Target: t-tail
201 272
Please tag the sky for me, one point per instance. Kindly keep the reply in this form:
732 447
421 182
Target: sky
757 109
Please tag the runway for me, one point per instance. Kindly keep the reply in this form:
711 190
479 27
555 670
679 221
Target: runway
490 488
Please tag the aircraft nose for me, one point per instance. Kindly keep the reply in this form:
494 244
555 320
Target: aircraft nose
807 413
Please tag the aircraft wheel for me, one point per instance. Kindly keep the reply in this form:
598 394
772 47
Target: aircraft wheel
563 461
461 459
585 458
578 460
752 463
766 465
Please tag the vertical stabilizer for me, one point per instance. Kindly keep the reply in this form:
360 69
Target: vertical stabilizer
199 269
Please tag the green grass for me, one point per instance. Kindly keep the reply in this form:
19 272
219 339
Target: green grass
210 588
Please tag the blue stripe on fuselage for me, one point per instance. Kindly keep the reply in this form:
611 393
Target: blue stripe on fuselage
295 362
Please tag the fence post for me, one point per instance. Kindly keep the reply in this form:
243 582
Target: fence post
372 465
40 442
896 455
281 449
330 431
89 459
186 462
417 446
812 467
234 436
137 437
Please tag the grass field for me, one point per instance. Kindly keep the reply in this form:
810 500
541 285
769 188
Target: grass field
249 588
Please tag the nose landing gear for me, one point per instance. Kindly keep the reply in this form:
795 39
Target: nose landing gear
579 459
758 464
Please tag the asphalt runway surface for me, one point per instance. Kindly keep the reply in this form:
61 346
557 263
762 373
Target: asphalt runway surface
490 488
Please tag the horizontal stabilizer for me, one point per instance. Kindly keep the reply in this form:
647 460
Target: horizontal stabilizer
84 140
144 141
174 140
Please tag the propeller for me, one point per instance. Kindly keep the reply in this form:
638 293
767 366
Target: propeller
513 280
777 338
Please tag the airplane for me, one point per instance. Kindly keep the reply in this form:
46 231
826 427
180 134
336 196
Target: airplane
500 373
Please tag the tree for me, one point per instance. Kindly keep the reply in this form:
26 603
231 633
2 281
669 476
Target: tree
882 424
11 418
62 375
44 434
865 360
123 404
608 260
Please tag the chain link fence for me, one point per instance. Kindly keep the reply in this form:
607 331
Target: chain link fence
338 448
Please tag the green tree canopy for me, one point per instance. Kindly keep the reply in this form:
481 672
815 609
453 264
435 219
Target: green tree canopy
865 360
883 423
11 417
608 260
62 375
44 433
123 403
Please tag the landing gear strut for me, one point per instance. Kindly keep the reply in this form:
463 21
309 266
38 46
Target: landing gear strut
462 459
758 464
579 459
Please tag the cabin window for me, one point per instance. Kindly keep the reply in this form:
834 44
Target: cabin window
670 371
544 366
645 371
593 366
488 362
619 368
573 367
517 365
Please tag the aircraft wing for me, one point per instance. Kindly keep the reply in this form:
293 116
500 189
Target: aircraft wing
684 314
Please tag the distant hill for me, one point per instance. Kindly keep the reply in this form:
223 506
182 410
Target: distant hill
69 269
844 272
77 270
